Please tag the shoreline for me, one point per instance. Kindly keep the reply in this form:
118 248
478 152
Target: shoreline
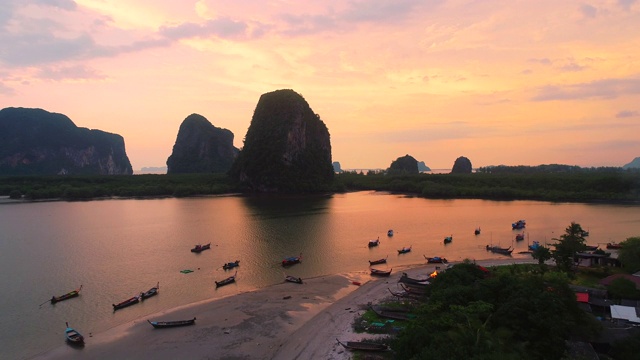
282 321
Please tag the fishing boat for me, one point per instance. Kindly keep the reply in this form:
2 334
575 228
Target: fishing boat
448 239
520 224
293 279
151 292
416 290
409 280
404 250
394 315
363 346
170 324
128 302
405 295
292 260
378 272
535 245
231 265
477 231
73 336
199 248
375 242
69 295
435 260
390 233
379 261
519 237
613 246
226 281
500 250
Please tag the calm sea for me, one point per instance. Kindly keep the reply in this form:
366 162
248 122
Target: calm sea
118 248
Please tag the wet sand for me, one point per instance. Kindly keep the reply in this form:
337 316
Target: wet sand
284 321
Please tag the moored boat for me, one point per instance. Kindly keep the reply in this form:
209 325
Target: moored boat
390 233
535 245
73 336
69 295
198 248
520 224
405 250
378 272
375 242
379 261
435 260
151 292
613 246
448 239
128 302
170 324
293 279
519 237
395 315
231 265
500 250
292 260
477 231
363 346
409 280
226 281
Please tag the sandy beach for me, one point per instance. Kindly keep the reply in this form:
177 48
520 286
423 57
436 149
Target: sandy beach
284 321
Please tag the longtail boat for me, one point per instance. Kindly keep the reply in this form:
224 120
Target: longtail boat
128 302
395 315
151 292
292 260
378 272
226 281
198 248
169 324
409 280
435 260
379 261
73 336
293 279
500 250
375 242
231 265
363 346
69 295
404 250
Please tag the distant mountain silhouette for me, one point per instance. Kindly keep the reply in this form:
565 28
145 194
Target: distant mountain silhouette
38 142
634 164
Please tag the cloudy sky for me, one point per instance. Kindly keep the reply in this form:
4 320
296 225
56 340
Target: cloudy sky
500 82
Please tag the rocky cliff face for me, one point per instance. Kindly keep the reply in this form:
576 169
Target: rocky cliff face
37 142
287 147
201 148
404 165
462 165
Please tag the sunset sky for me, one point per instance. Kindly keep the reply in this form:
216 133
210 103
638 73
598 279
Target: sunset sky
500 82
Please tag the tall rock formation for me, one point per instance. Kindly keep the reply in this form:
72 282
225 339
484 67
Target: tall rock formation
404 165
287 147
634 164
423 167
37 142
462 165
201 148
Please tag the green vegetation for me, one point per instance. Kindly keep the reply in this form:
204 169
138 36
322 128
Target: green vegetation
629 254
95 187
582 186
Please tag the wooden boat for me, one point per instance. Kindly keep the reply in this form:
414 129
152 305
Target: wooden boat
363 346
69 295
409 280
170 324
413 289
231 265
379 261
448 239
378 272
435 260
500 250
73 336
477 231
292 260
375 242
395 315
406 295
404 250
128 302
520 224
151 292
535 245
293 279
519 237
198 248
226 281
390 233
613 246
